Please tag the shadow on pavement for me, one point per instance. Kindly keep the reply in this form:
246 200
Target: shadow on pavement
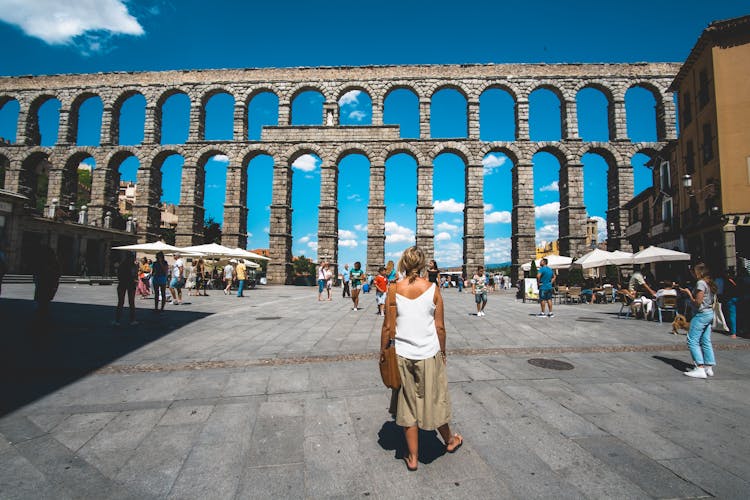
39 357
391 437
675 363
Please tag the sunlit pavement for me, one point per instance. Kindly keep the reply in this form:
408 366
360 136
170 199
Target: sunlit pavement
277 395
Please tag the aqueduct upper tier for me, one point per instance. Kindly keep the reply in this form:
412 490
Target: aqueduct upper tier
331 141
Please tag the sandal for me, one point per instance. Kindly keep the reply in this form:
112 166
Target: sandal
455 447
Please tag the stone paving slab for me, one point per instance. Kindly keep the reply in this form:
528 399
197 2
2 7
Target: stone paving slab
209 401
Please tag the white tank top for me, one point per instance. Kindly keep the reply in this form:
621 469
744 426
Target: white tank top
416 336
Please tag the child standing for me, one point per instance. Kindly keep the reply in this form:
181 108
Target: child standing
381 287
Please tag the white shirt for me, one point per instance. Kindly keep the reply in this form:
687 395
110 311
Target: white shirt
176 268
228 271
416 335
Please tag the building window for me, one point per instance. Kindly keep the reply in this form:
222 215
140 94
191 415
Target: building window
702 88
687 110
664 177
666 211
708 150
689 158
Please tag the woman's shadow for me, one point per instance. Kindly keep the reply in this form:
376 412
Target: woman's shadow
675 363
391 437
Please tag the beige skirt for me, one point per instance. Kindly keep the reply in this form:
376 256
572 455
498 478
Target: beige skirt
423 399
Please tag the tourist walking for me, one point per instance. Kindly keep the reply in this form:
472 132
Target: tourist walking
159 272
127 281
381 287
423 401
699 334
228 277
241 271
479 289
178 280
545 277
357 275
433 273
144 277
345 280
200 278
46 280
324 275
390 272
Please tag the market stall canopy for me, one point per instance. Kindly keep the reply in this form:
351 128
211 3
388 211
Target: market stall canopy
212 250
657 254
598 258
553 262
622 258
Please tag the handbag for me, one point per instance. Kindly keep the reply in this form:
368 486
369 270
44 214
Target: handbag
388 362
718 324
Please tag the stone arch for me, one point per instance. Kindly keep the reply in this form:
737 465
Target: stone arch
361 86
159 103
33 133
304 87
212 91
603 149
206 153
69 181
252 153
358 87
114 158
351 149
500 85
74 114
455 148
35 164
117 104
438 86
397 86
556 149
408 149
294 152
509 150
156 159
249 95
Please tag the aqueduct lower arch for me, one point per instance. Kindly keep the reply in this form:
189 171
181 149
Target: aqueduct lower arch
330 141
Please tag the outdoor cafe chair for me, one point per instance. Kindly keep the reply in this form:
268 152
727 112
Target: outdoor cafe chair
626 302
574 294
667 303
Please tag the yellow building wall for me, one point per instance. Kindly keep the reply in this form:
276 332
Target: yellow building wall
732 87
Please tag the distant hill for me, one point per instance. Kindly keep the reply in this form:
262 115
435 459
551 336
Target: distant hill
501 264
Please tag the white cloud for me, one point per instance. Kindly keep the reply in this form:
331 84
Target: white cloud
492 162
488 207
249 235
313 245
497 217
57 22
350 98
397 234
451 206
554 186
444 226
443 236
306 163
304 239
266 229
449 254
547 212
345 234
497 250
548 232
354 197
221 158
357 115
348 243
360 227
601 225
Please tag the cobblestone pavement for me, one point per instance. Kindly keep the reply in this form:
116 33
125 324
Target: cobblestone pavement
277 395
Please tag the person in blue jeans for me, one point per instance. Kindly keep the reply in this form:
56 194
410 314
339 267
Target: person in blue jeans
546 279
728 293
699 335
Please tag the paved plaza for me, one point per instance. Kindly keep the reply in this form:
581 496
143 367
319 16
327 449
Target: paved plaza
277 395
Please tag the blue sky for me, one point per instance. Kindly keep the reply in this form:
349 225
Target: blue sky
111 35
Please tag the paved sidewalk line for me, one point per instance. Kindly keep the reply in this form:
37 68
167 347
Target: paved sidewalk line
214 365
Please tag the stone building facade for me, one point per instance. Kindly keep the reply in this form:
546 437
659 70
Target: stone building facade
332 141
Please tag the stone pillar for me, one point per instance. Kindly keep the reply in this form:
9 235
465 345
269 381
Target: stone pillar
620 191
618 126
234 230
152 125
376 218
197 130
104 189
425 211
55 191
472 119
523 239
146 205
22 126
424 119
30 122
474 219
377 111
279 270
570 121
665 120
572 217
190 211
68 127
522 119
331 114
14 176
285 113
110 130
328 214
240 123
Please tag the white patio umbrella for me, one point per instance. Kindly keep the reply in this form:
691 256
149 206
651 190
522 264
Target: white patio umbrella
212 250
656 254
621 258
247 254
596 258
553 262
150 248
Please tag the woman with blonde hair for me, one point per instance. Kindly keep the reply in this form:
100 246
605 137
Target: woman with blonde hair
423 401
699 334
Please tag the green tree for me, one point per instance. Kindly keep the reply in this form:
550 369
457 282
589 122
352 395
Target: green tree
211 231
303 266
83 196
533 270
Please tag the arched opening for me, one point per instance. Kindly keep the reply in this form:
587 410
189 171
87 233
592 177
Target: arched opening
546 197
86 120
355 108
214 192
448 114
173 118
640 111
167 168
400 204
259 197
449 194
498 205
307 108
305 202
595 192
35 180
353 199
9 109
497 115
48 120
263 110
401 107
643 177
545 115
593 114
126 189
130 117
219 117
77 178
